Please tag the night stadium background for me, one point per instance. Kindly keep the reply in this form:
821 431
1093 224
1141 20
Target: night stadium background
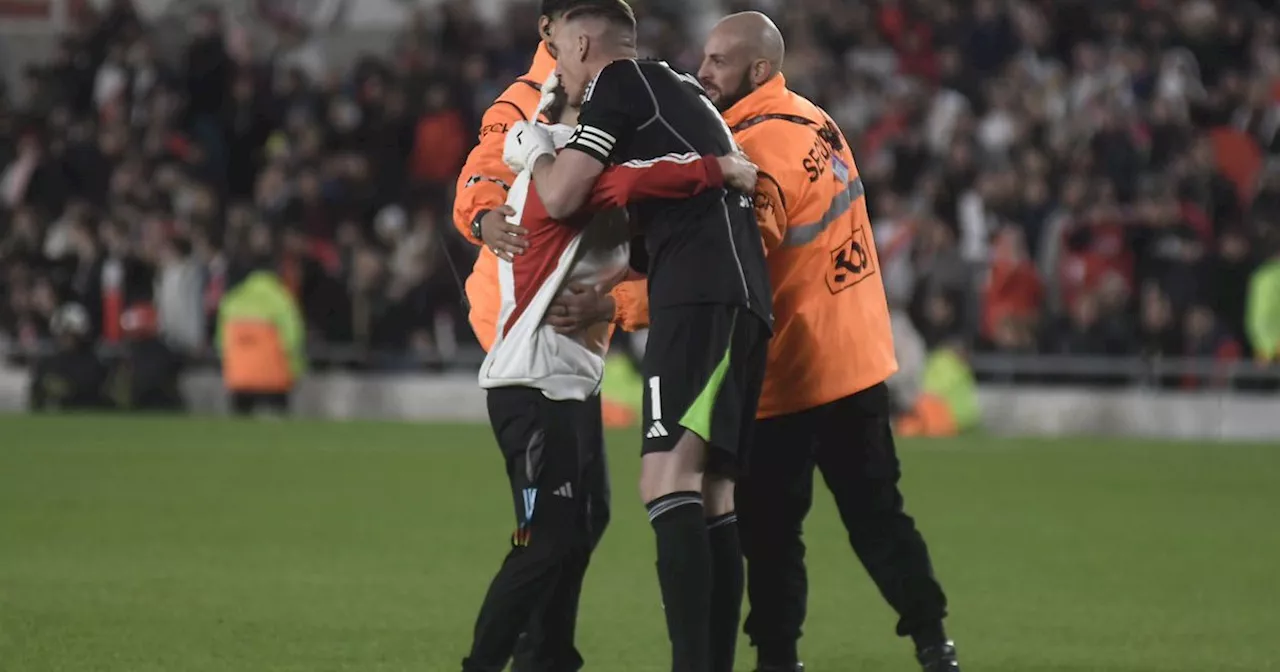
1079 201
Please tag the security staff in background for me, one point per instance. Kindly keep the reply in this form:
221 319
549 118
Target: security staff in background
261 339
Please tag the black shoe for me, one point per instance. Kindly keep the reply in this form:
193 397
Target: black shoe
940 658
798 667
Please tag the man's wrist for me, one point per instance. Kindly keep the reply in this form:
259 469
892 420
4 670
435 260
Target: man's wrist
608 309
541 161
715 172
477 231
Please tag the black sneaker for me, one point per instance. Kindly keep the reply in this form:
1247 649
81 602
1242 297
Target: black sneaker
798 667
940 658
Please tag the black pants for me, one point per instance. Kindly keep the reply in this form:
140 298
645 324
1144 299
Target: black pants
247 403
851 443
555 461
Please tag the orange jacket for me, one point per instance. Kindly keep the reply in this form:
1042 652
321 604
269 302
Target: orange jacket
483 185
254 360
260 336
831 332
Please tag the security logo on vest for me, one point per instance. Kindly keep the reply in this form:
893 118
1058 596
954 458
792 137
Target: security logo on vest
850 262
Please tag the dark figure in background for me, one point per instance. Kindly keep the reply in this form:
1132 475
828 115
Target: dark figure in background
146 377
72 377
208 67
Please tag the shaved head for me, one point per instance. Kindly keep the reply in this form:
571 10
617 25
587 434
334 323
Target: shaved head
743 51
757 33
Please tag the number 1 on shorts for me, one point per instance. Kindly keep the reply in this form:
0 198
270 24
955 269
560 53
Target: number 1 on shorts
655 398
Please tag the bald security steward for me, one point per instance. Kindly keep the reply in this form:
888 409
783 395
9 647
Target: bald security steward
824 402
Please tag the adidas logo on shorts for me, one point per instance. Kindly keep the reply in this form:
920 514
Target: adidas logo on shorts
565 491
656 430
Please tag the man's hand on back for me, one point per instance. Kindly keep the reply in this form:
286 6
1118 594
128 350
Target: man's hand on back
579 307
504 239
739 172
525 143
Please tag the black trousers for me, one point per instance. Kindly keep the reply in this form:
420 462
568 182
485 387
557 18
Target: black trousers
248 403
850 442
555 462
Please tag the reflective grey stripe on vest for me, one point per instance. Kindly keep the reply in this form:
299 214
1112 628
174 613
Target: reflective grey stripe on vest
803 234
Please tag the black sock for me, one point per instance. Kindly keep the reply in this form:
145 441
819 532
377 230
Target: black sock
684 572
726 590
929 636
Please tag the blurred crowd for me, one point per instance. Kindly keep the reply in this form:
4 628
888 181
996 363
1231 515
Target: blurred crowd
1045 176
1078 178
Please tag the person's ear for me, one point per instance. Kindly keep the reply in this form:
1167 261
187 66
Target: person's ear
544 28
584 47
760 71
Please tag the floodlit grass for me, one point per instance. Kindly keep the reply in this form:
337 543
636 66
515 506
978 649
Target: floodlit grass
149 545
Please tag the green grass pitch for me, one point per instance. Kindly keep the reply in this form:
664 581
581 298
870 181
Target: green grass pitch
149 545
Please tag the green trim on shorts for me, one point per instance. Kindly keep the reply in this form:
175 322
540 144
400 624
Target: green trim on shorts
697 418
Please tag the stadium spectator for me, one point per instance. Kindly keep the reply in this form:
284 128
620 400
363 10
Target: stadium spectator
1204 338
146 375
179 287
71 378
441 140
1014 294
1159 330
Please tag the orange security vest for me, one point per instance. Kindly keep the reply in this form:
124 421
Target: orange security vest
254 358
831 332
261 335
483 185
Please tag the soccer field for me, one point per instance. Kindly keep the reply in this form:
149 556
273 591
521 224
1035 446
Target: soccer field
148 545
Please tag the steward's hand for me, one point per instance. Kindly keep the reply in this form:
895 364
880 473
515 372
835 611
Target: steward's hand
579 307
504 239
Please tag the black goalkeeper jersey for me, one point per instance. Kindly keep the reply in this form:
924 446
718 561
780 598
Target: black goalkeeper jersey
704 249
